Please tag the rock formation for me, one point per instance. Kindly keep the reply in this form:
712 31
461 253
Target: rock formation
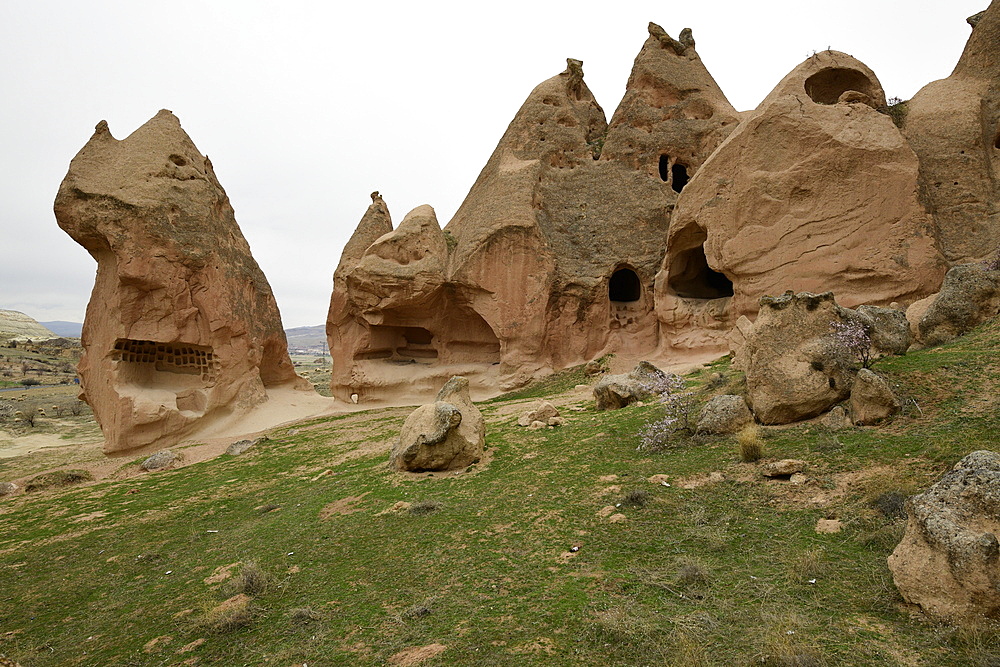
724 414
817 167
543 412
181 328
793 367
953 126
448 434
654 236
616 391
969 296
872 399
550 259
948 561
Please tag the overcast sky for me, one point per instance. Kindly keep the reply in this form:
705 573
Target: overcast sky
306 107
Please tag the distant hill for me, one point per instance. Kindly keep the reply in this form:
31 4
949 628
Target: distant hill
64 329
17 325
312 339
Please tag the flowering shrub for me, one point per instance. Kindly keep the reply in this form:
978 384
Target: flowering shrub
854 337
677 407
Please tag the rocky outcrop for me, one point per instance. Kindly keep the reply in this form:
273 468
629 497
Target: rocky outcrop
161 460
793 367
969 296
543 412
872 399
948 561
445 435
888 329
182 328
953 126
724 414
616 391
817 167
551 257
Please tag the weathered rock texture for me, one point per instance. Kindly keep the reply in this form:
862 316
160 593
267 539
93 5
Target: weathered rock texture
814 191
550 259
949 559
15 325
445 435
616 391
724 414
793 367
953 126
654 236
543 412
872 399
969 296
181 327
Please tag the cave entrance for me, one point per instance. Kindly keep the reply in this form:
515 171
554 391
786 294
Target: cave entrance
624 286
680 176
692 278
399 344
827 85
664 168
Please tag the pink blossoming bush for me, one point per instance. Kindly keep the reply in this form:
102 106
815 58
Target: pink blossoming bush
677 407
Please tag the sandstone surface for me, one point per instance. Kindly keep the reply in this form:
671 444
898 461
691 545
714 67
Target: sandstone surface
829 176
969 296
724 414
953 125
872 399
794 369
616 391
445 435
948 561
182 328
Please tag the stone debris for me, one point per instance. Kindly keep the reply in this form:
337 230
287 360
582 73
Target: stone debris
782 468
161 460
543 412
445 435
948 561
872 399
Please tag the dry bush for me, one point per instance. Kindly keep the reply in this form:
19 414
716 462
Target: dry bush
750 440
636 498
303 615
234 614
251 580
422 507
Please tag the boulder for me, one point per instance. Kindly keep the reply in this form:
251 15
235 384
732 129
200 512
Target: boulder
836 419
616 391
8 488
182 328
829 176
782 468
888 329
948 561
161 460
445 435
793 367
969 296
724 414
872 399
542 411
241 446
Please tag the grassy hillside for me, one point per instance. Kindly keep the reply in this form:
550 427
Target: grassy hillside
519 560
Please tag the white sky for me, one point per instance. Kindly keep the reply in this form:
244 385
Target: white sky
306 107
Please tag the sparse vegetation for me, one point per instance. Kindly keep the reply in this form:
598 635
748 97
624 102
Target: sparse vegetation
422 507
521 566
58 478
750 441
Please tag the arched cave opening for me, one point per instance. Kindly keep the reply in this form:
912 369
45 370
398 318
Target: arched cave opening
664 168
827 85
680 174
692 278
624 286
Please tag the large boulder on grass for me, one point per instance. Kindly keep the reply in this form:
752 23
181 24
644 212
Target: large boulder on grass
872 399
617 391
161 460
948 561
724 414
888 329
969 296
795 368
444 435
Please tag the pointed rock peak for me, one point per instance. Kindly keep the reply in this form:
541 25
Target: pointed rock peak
678 46
981 57
829 77
574 78
420 217
375 223
102 128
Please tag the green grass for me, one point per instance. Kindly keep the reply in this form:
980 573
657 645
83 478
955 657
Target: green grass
715 575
